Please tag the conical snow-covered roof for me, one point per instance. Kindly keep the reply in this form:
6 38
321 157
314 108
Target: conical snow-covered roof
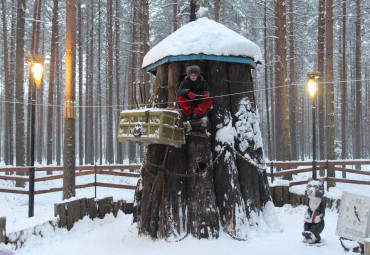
203 37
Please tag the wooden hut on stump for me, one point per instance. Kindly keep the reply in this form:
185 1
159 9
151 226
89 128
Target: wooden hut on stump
212 182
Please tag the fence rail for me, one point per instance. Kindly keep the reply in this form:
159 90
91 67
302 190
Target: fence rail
80 171
329 165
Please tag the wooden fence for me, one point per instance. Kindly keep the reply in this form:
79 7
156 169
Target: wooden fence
329 165
80 171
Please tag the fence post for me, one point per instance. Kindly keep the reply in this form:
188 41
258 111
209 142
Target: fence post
272 171
327 175
95 168
31 192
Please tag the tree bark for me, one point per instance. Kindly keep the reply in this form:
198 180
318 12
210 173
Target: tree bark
281 100
208 181
358 76
217 10
118 83
109 86
343 87
193 7
6 85
293 87
19 93
50 120
329 86
69 158
99 99
80 87
320 87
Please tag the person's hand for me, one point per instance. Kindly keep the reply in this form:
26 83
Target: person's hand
191 95
206 95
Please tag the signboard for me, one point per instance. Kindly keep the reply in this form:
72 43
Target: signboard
353 220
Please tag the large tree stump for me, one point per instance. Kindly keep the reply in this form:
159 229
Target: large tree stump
212 181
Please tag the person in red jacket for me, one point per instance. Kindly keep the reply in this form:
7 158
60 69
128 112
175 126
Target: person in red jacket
194 94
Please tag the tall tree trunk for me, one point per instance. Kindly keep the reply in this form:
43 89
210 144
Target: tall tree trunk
174 16
80 88
109 88
343 85
206 183
40 98
145 42
89 138
329 86
134 73
281 99
217 10
19 81
59 101
50 120
358 117
292 88
12 70
6 85
69 158
117 78
193 8
266 82
99 111
321 87
87 89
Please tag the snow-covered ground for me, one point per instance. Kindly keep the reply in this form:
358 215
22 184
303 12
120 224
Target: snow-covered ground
119 235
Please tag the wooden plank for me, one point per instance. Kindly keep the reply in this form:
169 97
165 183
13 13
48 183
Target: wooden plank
118 174
329 179
60 210
2 230
127 208
13 178
104 206
118 167
293 183
73 213
91 208
117 186
83 208
319 163
14 169
14 191
60 176
61 189
295 171
49 168
278 196
349 170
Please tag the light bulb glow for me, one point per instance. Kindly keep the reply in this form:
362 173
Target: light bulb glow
312 87
37 70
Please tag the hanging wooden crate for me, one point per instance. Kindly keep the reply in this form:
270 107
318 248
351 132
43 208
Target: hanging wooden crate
152 126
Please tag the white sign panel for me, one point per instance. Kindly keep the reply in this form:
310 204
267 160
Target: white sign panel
353 220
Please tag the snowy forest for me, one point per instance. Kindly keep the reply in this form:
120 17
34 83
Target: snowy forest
295 37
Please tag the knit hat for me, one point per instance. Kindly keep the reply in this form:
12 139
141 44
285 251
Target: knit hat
193 70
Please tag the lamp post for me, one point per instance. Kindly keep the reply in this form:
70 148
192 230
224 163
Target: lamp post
312 89
37 70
